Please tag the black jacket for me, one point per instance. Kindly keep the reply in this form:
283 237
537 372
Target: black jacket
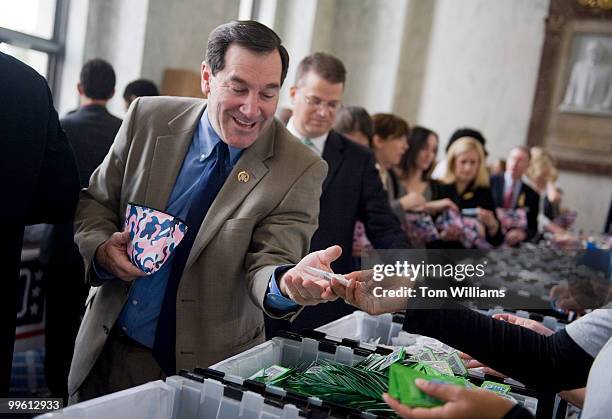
39 179
91 131
470 198
352 191
527 198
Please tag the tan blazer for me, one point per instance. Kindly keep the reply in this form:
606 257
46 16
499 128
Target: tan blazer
251 228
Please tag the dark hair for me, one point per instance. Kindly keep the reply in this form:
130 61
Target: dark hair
417 141
468 132
387 125
98 79
249 34
524 149
327 66
354 118
140 87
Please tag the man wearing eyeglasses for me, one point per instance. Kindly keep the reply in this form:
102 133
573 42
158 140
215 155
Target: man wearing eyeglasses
352 190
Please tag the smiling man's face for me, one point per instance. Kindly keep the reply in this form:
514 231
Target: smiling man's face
242 97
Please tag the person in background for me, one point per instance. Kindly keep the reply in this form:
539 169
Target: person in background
466 183
91 130
355 123
541 177
139 88
497 167
284 114
40 181
440 168
389 143
511 192
352 189
415 169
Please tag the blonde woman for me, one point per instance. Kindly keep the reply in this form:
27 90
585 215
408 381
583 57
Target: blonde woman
466 183
541 176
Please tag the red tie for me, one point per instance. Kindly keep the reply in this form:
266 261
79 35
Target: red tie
508 196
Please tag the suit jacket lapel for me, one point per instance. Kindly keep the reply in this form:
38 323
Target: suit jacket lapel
170 151
497 190
333 155
233 192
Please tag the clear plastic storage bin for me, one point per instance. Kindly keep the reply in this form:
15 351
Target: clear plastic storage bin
292 350
152 400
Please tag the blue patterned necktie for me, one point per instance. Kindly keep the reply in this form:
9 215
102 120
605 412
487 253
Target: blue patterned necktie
213 177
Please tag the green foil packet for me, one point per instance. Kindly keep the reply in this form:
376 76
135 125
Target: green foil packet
403 388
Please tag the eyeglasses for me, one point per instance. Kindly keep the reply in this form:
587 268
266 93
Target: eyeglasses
315 102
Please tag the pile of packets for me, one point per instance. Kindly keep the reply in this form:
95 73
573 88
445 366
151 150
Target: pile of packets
361 385
530 270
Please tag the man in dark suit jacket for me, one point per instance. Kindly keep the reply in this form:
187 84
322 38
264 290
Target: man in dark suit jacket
91 130
510 192
352 189
39 181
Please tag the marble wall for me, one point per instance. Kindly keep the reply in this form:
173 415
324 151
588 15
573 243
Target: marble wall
481 71
176 36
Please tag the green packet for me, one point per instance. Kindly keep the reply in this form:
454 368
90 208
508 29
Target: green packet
403 388
425 368
270 375
495 387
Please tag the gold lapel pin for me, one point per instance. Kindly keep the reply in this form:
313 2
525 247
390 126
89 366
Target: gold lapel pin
243 177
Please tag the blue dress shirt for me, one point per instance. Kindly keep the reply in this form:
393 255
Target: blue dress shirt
139 316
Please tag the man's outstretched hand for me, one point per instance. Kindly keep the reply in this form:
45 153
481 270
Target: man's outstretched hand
303 287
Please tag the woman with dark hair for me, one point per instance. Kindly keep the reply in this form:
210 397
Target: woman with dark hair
355 123
415 169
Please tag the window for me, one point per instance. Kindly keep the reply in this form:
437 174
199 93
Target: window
33 31
32 17
39 61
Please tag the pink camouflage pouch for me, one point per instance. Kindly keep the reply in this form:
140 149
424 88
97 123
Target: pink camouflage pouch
420 228
511 218
154 235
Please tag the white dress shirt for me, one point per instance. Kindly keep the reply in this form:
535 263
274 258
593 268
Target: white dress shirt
318 142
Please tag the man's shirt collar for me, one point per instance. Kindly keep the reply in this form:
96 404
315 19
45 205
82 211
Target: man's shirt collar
208 138
319 141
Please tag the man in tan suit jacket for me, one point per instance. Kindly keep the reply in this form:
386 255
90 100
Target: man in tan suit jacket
262 218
